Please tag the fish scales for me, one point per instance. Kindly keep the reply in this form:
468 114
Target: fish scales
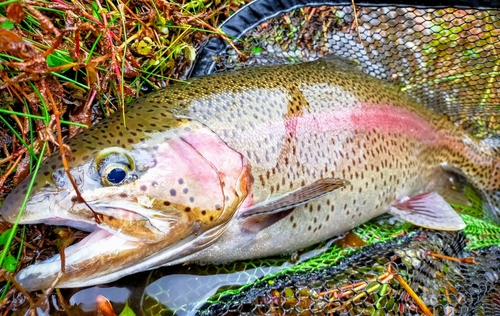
203 156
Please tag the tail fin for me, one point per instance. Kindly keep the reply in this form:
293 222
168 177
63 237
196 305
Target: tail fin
492 195
492 203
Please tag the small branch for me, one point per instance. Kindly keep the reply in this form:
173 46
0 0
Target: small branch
467 260
413 295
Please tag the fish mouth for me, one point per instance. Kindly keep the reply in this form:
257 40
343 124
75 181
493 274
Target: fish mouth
44 274
133 222
109 252
84 260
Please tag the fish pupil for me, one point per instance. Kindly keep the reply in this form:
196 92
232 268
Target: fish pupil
116 175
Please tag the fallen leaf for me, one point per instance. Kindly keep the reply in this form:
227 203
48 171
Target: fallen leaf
22 171
15 12
104 306
12 43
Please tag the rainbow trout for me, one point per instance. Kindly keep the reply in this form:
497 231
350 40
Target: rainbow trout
245 164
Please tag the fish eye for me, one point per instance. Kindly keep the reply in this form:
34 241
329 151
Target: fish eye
116 174
115 166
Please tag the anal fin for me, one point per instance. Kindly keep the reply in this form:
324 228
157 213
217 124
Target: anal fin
268 212
428 210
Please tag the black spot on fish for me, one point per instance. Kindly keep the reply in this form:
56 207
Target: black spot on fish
166 203
154 183
143 187
211 218
191 199
185 190
217 207
180 181
187 209
173 192
123 195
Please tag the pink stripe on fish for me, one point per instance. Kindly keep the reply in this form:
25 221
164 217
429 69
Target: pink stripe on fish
389 119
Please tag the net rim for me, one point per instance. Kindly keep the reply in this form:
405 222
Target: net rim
256 12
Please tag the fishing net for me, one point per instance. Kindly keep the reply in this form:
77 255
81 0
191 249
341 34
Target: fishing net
445 56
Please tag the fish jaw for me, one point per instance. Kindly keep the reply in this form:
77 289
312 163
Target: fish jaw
85 260
185 184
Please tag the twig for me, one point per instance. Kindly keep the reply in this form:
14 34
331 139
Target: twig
11 169
62 302
356 20
63 149
53 285
21 289
467 260
222 35
413 295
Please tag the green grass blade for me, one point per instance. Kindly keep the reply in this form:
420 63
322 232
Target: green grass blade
5 251
38 117
32 153
81 85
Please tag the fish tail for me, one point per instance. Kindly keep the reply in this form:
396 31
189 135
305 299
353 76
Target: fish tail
492 203
491 193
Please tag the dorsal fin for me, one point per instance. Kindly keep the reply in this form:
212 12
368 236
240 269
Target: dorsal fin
343 63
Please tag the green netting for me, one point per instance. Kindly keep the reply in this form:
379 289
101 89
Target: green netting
481 233
363 283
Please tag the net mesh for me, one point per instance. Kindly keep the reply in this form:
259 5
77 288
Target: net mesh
445 58
448 60
365 283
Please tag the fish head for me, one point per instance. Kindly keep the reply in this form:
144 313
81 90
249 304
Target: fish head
147 196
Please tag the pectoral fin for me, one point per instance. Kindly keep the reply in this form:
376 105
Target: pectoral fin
428 210
268 212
